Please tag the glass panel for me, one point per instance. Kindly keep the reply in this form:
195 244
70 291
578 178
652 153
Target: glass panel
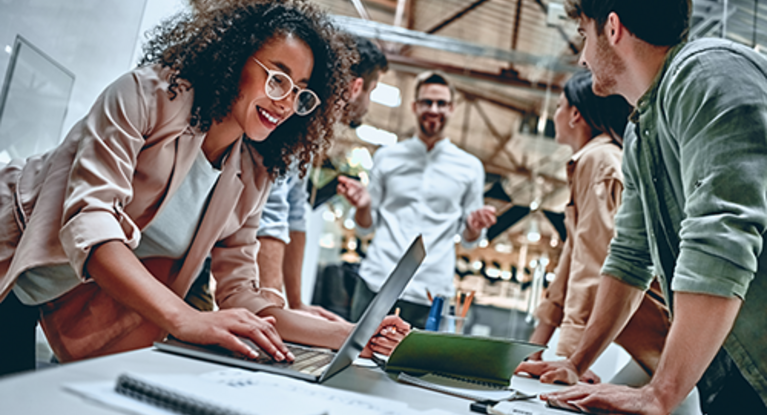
33 102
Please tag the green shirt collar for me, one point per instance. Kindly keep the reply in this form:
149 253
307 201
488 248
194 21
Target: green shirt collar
649 97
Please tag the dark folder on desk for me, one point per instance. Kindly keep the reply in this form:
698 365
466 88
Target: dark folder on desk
313 364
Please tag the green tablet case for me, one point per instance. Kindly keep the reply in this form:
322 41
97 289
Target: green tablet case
475 359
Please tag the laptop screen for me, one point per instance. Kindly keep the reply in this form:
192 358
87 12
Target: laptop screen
378 308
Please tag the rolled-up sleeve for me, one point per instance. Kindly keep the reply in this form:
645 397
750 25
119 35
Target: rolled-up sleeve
551 309
629 258
720 116
274 220
376 191
233 265
297 200
100 180
473 200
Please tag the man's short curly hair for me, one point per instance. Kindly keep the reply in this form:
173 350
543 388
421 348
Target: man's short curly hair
209 48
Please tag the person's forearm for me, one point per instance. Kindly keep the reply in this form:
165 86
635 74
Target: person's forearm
615 303
115 268
701 324
270 260
291 267
541 335
363 217
471 235
308 329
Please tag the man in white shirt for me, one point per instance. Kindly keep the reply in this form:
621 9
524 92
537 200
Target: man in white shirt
423 185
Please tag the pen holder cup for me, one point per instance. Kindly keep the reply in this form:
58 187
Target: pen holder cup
452 324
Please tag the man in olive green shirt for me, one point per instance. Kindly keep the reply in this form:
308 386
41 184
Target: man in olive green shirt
694 210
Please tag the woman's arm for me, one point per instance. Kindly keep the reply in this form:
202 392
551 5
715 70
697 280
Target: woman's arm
121 275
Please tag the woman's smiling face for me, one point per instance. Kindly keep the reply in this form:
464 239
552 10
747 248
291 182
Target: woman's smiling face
254 111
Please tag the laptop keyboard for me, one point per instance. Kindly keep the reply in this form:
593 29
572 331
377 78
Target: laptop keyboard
309 360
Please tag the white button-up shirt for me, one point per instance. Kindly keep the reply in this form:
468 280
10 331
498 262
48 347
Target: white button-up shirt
414 191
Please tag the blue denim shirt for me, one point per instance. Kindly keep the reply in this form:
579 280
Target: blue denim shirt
285 209
695 201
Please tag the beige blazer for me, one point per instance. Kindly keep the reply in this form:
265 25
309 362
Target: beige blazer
596 182
107 181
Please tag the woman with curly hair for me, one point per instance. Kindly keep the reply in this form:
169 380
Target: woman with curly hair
101 237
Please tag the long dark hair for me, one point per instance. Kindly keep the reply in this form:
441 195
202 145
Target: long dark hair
605 115
209 48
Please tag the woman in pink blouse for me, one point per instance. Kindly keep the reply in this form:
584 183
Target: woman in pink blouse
186 144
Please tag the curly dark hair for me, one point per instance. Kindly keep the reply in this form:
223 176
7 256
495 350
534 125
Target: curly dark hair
209 48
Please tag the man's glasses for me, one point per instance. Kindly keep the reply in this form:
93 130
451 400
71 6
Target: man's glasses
425 104
279 85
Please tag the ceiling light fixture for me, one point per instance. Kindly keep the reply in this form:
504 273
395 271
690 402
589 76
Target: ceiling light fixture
375 135
386 95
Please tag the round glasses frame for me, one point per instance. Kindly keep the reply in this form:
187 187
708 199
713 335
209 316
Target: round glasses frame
273 76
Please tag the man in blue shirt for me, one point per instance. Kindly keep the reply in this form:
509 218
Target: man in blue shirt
282 231
694 210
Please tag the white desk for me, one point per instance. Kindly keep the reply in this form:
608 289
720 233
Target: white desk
41 392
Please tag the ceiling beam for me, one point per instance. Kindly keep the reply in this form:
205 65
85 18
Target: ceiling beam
515 33
361 9
388 5
400 12
573 48
457 15
389 33
508 78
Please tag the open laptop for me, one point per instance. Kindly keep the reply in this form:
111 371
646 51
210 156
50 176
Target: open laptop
315 364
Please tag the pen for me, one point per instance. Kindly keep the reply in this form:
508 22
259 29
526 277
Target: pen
467 304
392 329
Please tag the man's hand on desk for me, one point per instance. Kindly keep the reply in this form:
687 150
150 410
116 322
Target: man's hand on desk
560 371
224 326
391 331
546 371
609 399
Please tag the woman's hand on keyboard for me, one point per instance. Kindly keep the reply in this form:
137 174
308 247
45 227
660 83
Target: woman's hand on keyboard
391 331
223 328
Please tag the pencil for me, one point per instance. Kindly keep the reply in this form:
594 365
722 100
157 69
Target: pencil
467 304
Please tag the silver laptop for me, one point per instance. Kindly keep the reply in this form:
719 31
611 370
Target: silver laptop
314 364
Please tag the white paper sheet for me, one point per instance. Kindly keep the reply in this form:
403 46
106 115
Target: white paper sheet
256 393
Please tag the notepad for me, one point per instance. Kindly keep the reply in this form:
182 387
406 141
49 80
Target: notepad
231 392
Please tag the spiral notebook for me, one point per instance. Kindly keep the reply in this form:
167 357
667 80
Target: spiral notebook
229 392
313 364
